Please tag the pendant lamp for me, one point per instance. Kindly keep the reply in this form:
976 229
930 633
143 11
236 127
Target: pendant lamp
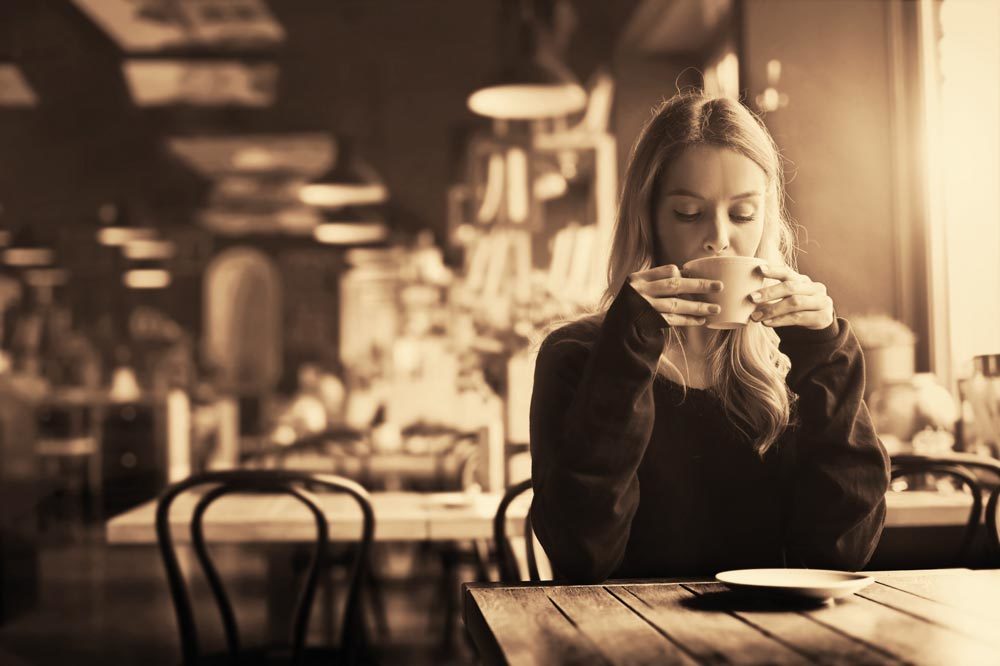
348 182
147 260
117 228
25 251
147 274
351 226
532 82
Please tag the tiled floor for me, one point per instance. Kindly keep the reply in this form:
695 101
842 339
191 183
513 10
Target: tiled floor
103 604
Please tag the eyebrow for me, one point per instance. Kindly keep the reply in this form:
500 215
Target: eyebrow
688 193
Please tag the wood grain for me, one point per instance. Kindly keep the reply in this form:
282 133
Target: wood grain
909 638
521 626
820 643
621 635
975 592
938 613
706 623
712 636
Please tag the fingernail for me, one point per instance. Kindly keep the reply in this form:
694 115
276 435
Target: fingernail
714 309
755 297
756 316
716 286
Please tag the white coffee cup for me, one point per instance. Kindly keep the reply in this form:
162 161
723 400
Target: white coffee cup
740 276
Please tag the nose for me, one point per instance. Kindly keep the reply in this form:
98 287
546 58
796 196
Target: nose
717 239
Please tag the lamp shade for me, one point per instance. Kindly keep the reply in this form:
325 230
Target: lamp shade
348 182
147 274
149 249
531 83
25 251
351 226
117 228
529 89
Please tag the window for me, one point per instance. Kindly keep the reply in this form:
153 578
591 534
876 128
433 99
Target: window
960 44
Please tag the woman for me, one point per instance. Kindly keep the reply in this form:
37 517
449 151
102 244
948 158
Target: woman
661 448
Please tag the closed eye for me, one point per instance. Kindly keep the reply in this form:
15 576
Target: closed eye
687 217
742 218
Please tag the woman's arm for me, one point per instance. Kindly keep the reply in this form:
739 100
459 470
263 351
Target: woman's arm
591 418
839 474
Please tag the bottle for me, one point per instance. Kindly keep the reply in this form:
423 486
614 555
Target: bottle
983 393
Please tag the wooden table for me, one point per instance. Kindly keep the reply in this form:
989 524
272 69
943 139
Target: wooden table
411 516
949 616
399 516
390 469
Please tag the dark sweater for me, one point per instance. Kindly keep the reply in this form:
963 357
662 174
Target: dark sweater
632 480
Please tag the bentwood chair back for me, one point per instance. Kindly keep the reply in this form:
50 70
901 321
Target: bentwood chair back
992 519
506 560
975 472
299 485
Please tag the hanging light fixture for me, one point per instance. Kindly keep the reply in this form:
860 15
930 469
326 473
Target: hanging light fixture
348 182
351 226
25 251
142 249
148 263
150 274
532 82
117 228
347 198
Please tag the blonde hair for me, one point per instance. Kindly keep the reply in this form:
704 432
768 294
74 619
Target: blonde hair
745 367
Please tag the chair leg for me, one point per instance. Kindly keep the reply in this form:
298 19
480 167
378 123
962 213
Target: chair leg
329 607
449 590
481 551
374 586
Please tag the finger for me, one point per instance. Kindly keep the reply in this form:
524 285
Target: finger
816 319
681 285
779 272
792 304
657 273
784 289
683 320
683 307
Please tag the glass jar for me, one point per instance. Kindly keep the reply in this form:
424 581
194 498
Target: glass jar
982 393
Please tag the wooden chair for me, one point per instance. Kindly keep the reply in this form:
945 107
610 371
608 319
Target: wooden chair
297 485
978 474
507 561
993 526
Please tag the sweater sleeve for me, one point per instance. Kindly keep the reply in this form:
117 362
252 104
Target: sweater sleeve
839 469
591 418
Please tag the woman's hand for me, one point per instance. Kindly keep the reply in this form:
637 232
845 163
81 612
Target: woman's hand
797 301
666 290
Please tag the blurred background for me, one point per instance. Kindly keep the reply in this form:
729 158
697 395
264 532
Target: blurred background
329 233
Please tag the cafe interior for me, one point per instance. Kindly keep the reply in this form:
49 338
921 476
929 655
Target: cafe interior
249 240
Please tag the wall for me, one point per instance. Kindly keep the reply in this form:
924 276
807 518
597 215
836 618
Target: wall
642 82
393 74
836 136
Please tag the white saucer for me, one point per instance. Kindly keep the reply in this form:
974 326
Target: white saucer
818 584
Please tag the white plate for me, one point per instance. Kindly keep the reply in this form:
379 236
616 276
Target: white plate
818 584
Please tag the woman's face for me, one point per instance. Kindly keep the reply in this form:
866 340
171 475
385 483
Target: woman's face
711 202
